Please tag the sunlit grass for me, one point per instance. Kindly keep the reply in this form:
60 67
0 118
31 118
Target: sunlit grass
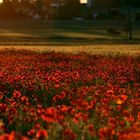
92 49
66 29
69 36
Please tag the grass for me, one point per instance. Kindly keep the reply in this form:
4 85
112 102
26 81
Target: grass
64 32
121 49
69 36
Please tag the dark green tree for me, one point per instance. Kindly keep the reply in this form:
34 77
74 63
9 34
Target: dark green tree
70 9
106 4
39 4
6 1
47 3
7 10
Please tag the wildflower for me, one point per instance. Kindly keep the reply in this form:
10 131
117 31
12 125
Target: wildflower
2 107
119 101
31 132
49 115
139 115
123 97
4 137
24 99
63 95
41 134
69 134
16 94
91 130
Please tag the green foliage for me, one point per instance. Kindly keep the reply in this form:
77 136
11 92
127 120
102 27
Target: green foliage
63 10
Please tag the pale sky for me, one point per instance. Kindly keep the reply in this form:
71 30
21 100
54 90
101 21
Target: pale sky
83 1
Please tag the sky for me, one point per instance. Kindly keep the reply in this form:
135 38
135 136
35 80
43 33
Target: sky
82 1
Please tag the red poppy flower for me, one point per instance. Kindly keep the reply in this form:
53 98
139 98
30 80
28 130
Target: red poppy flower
139 115
16 94
41 134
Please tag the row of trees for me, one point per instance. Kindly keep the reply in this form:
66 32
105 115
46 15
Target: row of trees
56 9
115 3
23 9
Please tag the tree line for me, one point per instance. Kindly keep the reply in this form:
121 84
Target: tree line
40 9
115 3
56 9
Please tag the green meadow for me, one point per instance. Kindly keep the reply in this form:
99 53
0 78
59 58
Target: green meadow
66 32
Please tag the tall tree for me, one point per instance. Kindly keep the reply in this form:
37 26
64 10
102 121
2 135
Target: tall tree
15 3
6 1
7 10
40 8
70 9
104 4
47 3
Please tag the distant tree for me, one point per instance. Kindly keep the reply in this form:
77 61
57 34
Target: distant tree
26 3
25 8
70 9
137 3
15 4
6 1
47 3
40 8
104 4
133 3
7 10
114 3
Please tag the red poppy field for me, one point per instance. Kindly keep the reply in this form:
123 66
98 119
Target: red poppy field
57 96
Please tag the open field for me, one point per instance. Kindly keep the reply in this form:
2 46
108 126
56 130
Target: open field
65 32
68 82
69 36
58 96
122 49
